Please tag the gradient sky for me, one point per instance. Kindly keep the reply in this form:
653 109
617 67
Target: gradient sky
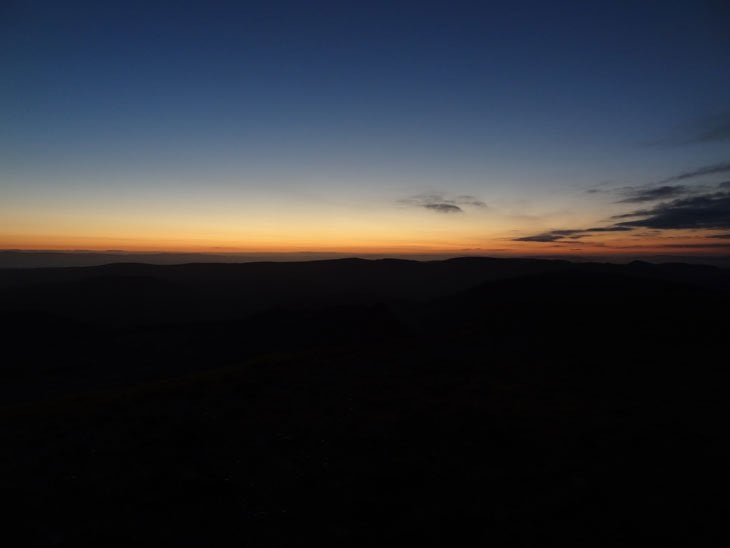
495 127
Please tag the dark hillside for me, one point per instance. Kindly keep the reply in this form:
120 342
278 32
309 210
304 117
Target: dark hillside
542 404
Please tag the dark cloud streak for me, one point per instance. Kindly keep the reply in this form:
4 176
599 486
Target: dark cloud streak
653 194
699 172
551 236
441 204
701 206
569 234
706 211
444 208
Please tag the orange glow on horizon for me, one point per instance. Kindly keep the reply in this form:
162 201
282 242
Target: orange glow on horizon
361 244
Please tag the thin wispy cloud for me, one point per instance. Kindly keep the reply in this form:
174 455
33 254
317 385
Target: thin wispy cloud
550 236
439 203
640 195
711 129
714 169
699 246
569 234
466 199
444 208
716 130
663 190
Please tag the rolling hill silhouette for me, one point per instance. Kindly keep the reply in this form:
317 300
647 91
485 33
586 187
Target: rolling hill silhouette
513 402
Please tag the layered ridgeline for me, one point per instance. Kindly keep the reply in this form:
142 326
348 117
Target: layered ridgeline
138 318
516 402
139 293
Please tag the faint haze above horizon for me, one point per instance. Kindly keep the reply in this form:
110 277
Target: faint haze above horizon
589 129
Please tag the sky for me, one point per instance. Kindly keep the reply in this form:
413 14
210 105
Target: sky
524 128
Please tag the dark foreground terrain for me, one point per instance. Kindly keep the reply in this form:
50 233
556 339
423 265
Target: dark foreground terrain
349 402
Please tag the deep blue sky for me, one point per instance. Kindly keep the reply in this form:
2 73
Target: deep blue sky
322 111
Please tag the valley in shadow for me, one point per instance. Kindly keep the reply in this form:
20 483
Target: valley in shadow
511 402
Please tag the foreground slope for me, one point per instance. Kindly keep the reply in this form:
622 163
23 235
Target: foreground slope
572 404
